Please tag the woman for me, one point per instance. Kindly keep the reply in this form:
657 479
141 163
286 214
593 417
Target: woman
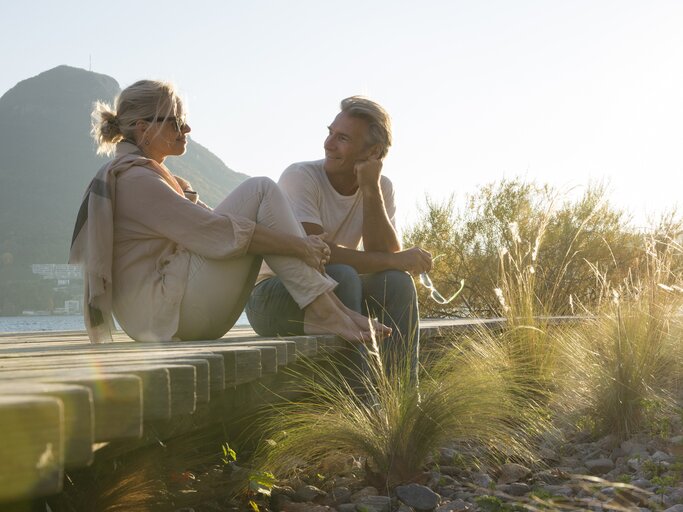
168 266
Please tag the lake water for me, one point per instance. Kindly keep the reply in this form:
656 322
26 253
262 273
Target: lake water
56 323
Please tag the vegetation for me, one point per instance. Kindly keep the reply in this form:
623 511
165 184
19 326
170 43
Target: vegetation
570 238
497 396
525 256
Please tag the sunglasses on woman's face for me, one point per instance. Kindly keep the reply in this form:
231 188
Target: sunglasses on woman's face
179 122
426 281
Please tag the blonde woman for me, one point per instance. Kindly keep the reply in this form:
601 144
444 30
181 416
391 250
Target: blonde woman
168 266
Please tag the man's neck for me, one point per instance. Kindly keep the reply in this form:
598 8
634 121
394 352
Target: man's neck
344 183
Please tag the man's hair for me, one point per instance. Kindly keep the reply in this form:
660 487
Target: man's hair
379 123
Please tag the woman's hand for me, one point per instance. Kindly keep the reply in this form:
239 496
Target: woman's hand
315 252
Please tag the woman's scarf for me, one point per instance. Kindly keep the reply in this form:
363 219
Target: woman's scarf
92 244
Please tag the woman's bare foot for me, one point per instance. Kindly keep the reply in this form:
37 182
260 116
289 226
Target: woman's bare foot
324 316
380 329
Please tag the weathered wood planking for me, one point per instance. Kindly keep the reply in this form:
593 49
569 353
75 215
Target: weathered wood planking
84 394
60 395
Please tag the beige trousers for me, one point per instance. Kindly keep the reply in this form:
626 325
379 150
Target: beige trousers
217 290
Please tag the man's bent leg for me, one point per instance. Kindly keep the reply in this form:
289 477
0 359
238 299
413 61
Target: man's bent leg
272 311
350 292
392 298
350 288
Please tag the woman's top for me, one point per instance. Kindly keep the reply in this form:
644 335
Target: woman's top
152 229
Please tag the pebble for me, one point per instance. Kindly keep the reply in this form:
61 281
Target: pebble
675 508
418 496
453 506
309 493
339 495
374 503
481 479
513 473
660 456
599 466
365 491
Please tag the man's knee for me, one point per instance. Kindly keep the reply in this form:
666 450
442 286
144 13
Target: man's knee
399 283
350 288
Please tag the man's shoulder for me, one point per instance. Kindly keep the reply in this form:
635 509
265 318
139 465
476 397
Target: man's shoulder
313 168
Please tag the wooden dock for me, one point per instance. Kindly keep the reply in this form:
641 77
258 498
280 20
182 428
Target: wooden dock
62 398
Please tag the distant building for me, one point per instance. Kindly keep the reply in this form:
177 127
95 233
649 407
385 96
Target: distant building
59 271
72 307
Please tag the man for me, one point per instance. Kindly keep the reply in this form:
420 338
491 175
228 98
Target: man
348 199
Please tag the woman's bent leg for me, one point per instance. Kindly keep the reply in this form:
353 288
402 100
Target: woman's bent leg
262 201
215 295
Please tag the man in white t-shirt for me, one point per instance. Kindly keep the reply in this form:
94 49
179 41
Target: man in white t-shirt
347 197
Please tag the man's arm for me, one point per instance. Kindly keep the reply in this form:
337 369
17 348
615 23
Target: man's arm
379 234
413 260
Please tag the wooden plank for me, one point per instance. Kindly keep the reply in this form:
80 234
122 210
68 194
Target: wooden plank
155 380
78 416
117 398
305 345
286 349
31 446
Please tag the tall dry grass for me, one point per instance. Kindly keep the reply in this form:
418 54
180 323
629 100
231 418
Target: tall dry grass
626 363
393 425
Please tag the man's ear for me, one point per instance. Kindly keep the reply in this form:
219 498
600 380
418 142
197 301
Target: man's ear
374 151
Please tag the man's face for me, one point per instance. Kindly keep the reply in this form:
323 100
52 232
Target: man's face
346 144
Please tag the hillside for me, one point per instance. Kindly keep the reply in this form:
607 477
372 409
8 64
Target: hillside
47 159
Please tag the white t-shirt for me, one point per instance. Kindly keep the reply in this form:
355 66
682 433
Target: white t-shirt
315 201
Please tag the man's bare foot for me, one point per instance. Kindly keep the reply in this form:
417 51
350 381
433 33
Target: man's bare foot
324 316
361 321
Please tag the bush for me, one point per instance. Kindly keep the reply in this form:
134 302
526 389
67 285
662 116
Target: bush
569 240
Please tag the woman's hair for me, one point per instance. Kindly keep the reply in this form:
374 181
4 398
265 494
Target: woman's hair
379 123
146 99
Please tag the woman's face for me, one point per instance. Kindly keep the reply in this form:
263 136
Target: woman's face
165 136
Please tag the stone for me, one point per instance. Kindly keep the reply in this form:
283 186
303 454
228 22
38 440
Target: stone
676 495
513 472
454 506
549 454
599 466
418 496
309 493
447 455
642 483
517 489
676 508
404 508
552 476
660 456
374 504
481 480
346 507
365 491
558 490
305 507
676 440
339 495
451 470
633 448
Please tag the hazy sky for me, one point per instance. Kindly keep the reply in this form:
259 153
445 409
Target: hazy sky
559 91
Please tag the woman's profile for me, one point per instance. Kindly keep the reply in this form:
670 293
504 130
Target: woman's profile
166 265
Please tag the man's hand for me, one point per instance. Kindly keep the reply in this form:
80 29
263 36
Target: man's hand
413 260
368 172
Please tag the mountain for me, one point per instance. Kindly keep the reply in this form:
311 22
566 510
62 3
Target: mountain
47 159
